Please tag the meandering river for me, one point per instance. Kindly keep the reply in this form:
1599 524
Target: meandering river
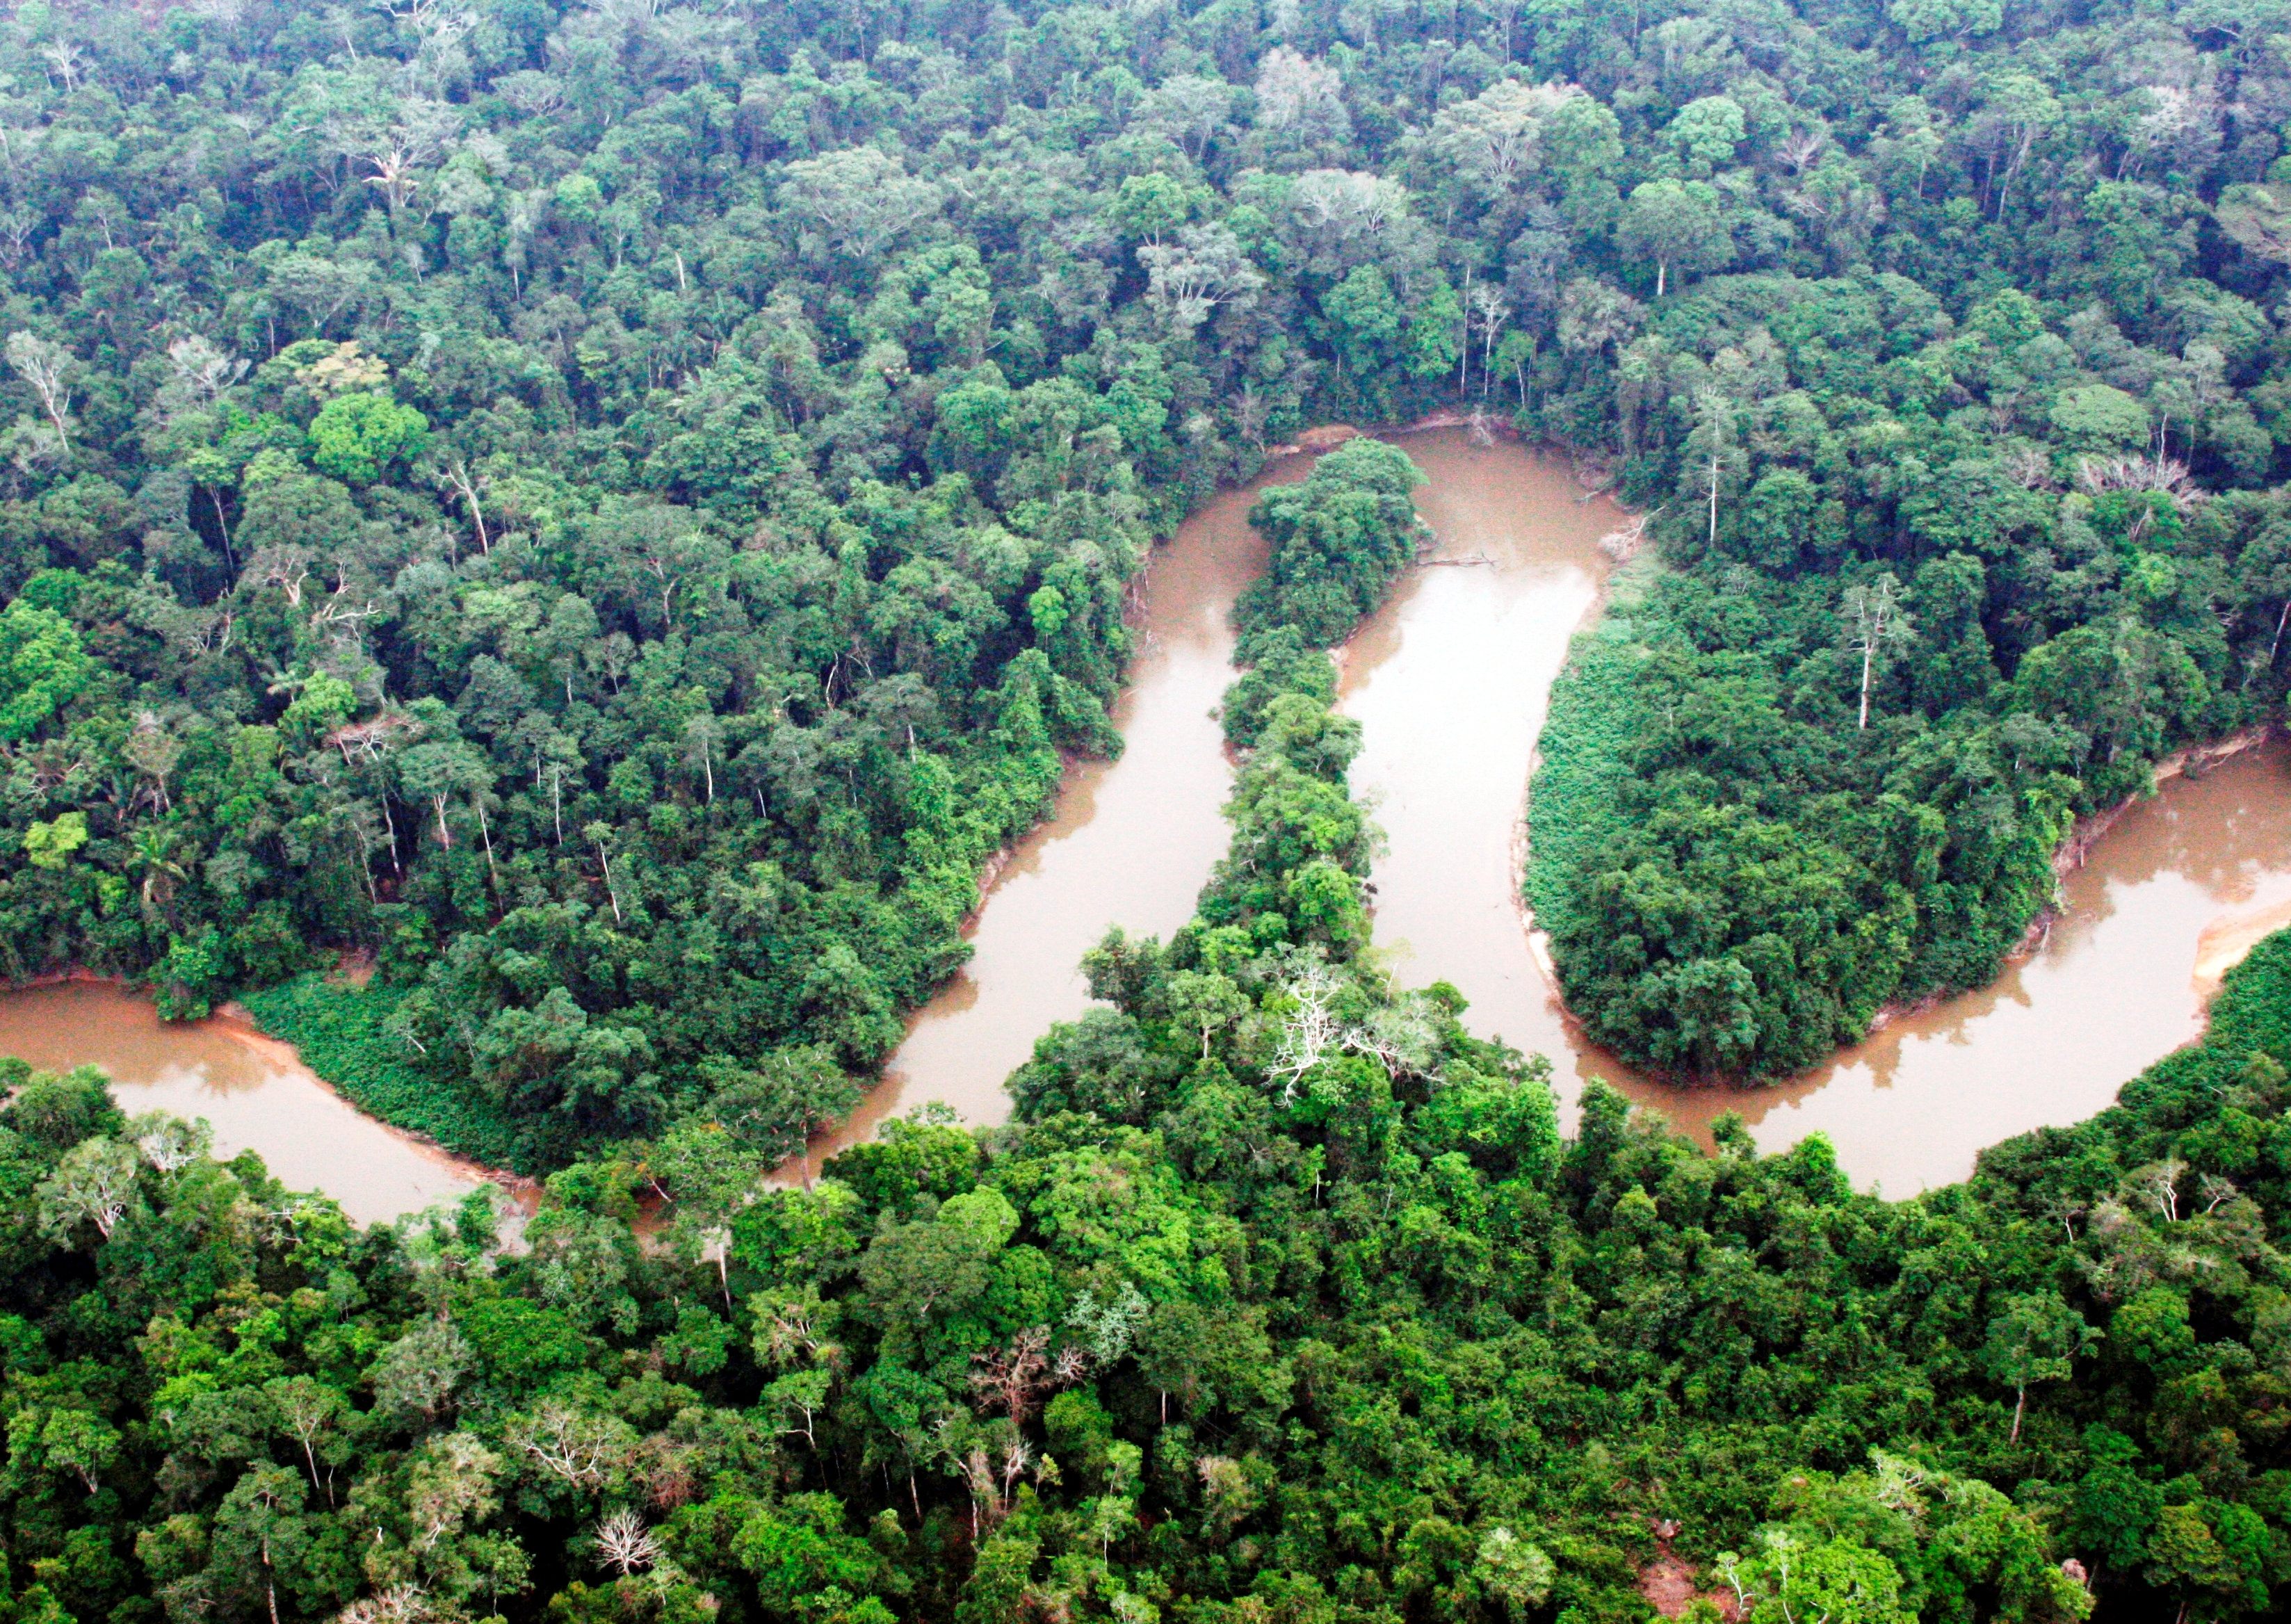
1450 682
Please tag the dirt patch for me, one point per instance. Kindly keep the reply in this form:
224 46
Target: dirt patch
354 966
1667 1584
77 974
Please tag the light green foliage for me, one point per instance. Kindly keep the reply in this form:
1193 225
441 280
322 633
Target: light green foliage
1788 1576
1926 20
50 844
358 437
2095 414
2259 218
1512 1572
92 1189
1707 129
2035 1337
1677 226
42 667
324 704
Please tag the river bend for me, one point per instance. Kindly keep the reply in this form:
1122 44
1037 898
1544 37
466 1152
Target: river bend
1450 680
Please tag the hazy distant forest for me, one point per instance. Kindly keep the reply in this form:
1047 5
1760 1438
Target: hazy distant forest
617 511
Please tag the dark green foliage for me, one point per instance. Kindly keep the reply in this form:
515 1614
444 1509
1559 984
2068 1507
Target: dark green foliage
1337 538
1898 640
1279 662
2257 1020
1736 876
611 513
1099 1065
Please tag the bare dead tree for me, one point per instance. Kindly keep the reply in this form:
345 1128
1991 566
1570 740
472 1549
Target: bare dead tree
455 476
1015 1379
49 368
626 1544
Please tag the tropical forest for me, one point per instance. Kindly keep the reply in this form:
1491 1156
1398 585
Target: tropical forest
570 570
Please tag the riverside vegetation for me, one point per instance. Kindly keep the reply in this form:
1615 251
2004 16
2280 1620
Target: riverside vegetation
618 511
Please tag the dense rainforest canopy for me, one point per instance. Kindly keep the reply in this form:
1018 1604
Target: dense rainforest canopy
618 509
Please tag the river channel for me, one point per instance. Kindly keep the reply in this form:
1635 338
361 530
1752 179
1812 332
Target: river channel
253 1090
1130 843
1450 682
1449 679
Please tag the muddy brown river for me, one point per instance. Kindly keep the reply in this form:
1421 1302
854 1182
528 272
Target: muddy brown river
1130 843
253 1090
2172 895
1450 680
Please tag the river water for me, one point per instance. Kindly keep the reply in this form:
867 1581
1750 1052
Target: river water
250 1087
1131 842
2172 894
1449 681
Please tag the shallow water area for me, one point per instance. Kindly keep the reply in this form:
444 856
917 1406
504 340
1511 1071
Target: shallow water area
250 1087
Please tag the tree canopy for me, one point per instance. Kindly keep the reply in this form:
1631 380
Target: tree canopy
616 511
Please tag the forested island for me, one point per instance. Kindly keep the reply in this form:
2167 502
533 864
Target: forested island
612 515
